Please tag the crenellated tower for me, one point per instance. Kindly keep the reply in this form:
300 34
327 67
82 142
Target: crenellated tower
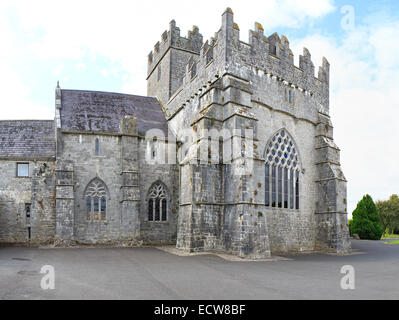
229 85
167 62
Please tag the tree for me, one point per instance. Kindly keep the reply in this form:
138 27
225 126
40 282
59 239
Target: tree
350 229
389 213
366 220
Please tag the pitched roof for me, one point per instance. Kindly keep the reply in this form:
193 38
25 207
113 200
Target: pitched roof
27 139
102 111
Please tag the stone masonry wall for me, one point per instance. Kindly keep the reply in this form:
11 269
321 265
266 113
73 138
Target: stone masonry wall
150 173
37 190
127 213
79 149
235 85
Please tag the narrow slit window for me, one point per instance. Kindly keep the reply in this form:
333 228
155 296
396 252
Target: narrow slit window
97 147
27 218
290 96
273 49
194 71
159 73
209 55
27 214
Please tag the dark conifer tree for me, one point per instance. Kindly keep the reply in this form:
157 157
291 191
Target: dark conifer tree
366 220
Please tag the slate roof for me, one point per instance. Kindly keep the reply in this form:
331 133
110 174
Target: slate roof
27 139
96 111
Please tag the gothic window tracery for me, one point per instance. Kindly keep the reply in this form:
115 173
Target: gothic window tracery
282 173
158 203
96 201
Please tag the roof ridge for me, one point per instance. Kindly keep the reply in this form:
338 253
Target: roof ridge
95 111
109 92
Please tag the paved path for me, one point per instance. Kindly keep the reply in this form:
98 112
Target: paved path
150 273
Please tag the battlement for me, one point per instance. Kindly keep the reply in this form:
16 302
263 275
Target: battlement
205 57
172 39
269 53
260 61
263 56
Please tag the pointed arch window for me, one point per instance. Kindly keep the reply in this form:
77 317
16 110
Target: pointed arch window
282 187
96 201
158 203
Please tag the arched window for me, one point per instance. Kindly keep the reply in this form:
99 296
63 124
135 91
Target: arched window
282 172
96 201
158 203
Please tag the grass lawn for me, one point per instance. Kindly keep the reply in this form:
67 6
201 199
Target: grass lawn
391 236
393 242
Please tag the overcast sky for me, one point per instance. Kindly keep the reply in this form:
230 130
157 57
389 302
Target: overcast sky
103 45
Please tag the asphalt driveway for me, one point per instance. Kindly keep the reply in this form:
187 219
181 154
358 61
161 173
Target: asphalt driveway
150 273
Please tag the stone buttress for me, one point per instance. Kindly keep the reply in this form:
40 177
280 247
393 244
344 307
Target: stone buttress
130 188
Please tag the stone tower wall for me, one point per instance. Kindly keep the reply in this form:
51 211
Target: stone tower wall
167 62
235 86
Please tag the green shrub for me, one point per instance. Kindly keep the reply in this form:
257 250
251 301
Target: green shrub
366 220
349 223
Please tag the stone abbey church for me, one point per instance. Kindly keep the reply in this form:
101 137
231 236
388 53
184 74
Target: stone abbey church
84 177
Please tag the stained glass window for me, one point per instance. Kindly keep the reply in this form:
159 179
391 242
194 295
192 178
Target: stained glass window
96 201
88 208
103 208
